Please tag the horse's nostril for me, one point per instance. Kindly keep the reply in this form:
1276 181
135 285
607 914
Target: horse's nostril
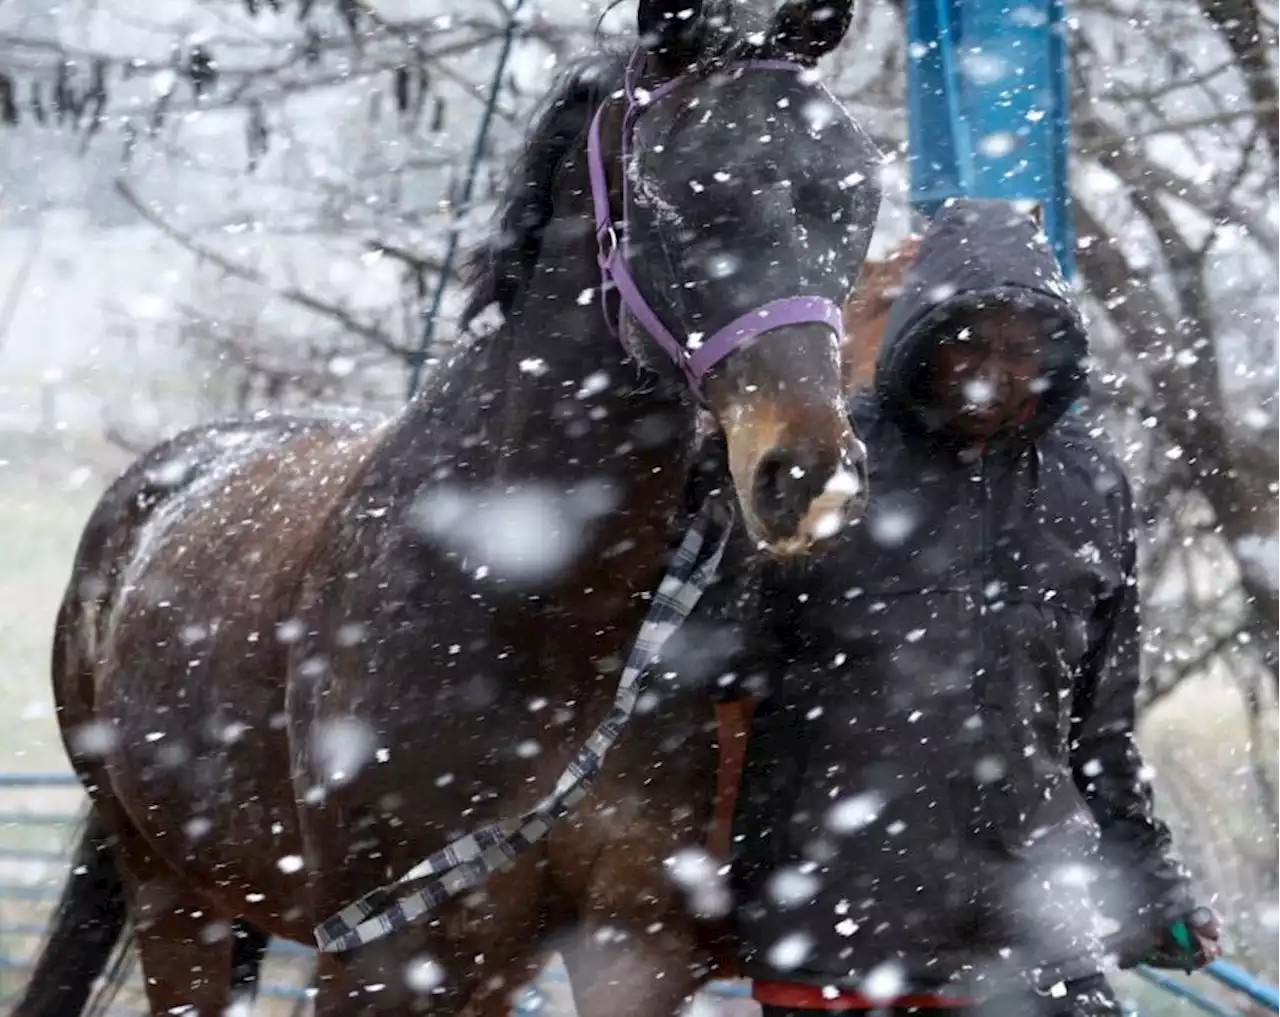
786 483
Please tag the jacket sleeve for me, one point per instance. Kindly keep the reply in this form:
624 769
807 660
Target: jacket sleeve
1142 884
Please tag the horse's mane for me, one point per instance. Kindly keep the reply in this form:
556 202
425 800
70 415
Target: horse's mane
498 269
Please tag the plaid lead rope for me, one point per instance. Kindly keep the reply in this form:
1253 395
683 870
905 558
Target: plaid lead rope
470 860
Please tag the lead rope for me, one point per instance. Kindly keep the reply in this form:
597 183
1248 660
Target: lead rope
471 859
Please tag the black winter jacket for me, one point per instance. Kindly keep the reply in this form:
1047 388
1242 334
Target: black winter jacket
942 775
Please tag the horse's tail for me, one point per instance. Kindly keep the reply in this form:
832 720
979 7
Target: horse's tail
88 924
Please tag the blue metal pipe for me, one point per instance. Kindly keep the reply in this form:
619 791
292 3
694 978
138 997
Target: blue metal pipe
39 780
1175 988
1226 973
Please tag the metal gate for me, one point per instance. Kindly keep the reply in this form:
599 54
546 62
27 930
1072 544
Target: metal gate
39 812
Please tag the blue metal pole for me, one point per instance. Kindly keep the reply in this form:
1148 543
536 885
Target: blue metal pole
25 780
1059 217
940 152
988 110
463 204
1180 991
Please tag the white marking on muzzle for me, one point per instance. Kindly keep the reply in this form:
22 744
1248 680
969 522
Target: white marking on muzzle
844 482
827 515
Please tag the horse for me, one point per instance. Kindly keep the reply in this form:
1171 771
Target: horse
297 654
863 316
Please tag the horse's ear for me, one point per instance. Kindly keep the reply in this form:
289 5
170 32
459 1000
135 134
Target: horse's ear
670 30
810 29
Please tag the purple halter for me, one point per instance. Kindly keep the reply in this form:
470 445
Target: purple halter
697 362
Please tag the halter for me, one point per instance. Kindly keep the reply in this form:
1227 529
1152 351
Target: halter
693 359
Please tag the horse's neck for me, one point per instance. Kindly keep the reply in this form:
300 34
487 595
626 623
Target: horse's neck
552 397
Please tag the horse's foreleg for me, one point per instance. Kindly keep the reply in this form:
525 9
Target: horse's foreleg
615 968
467 960
344 989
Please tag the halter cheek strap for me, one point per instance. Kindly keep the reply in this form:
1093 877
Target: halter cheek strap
694 360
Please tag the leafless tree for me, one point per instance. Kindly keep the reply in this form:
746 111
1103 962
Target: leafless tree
351 134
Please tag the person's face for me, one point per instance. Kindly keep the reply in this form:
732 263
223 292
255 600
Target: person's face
987 369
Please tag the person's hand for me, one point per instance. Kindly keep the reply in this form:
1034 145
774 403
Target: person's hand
1189 943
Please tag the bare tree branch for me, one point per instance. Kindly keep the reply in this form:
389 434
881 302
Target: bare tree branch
1169 678
1263 114
1149 174
291 293
1240 25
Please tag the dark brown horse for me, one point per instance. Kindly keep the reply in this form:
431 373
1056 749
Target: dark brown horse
864 317
299 655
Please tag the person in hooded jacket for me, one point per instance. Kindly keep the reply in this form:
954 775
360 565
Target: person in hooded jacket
942 802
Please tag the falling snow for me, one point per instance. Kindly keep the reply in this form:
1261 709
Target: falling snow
342 748
791 886
891 527
884 983
308 281
855 812
703 881
94 739
790 952
424 975
525 533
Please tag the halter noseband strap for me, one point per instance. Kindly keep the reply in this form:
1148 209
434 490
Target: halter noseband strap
694 360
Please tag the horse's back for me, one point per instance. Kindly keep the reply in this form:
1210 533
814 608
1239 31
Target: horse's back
175 629
218 513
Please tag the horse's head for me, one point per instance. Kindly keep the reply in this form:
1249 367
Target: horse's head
734 234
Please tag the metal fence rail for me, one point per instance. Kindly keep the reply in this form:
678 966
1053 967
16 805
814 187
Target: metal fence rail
33 860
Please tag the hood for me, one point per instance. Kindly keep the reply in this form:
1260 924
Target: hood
977 253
